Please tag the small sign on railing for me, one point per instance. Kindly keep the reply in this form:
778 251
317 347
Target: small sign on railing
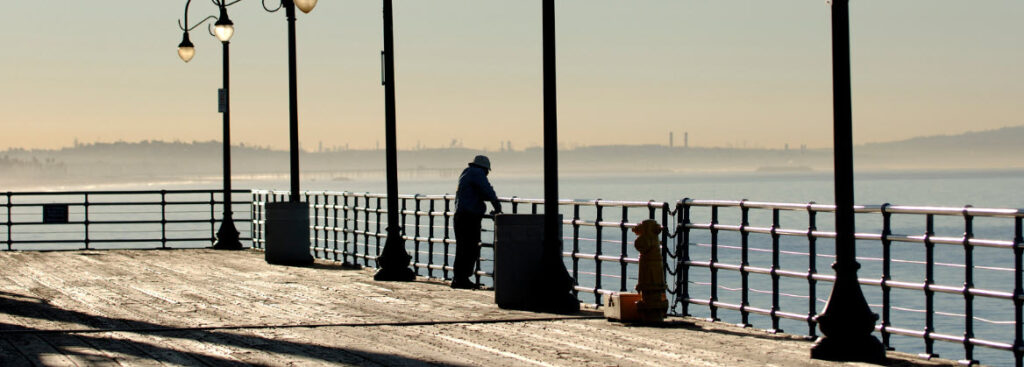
55 213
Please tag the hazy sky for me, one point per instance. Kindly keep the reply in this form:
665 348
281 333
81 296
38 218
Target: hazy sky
731 73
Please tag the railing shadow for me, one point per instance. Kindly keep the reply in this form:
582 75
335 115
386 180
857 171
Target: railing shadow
22 345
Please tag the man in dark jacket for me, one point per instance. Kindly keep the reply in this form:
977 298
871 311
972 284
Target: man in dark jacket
473 190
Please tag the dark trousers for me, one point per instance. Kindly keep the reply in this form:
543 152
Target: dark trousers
467 244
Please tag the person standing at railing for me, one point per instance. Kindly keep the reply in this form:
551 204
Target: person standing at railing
474 189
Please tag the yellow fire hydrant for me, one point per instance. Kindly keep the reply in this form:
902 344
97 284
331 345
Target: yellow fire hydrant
651 278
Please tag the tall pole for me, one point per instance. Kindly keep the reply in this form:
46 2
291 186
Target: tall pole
394 260
846 322
551 223
227 235
293 102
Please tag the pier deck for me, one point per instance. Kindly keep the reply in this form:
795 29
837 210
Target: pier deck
205 307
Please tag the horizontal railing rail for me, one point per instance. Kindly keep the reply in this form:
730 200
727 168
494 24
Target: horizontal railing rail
116 219
742 261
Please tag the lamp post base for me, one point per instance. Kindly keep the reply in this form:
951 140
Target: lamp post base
864 348
847 322
394 262
394 274
227 236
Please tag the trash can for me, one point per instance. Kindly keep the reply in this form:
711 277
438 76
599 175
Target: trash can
526 277
287 233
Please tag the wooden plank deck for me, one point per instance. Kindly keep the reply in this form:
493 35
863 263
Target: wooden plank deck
206 307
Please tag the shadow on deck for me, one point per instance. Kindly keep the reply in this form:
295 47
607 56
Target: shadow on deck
203 307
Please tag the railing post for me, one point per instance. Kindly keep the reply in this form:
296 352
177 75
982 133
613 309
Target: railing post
624 250
416 234
85 219
744 263
254 200
575 243
9 222
886 274
683 251
775 268
430 239
305 198
665 254
968 285
345 230
1018 292
713 263
334 228
213 220
316 226
376 253
812 269
447 233
163 219
597 249
366 230
929 294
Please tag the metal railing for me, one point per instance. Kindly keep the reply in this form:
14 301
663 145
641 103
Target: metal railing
115 219
955 278
891 265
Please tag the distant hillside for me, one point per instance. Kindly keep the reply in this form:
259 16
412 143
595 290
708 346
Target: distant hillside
149 161
989 149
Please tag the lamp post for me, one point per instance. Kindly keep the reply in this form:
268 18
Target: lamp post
846 322
394 260
293 100
552 223
227 235
287 230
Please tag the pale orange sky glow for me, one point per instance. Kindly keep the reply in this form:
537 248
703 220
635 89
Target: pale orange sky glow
749 73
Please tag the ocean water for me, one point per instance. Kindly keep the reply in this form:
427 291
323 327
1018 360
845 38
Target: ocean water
993 267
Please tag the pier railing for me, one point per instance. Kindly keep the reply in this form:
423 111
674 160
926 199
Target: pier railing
951 275
116 219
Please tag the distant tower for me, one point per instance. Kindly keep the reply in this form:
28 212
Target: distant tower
686 140
670 138
787 147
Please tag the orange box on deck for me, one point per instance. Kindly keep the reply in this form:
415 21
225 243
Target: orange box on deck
621 307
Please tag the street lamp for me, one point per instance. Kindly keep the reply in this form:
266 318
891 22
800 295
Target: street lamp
289 8
224 28
394 260
287 230
846 322
227 235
